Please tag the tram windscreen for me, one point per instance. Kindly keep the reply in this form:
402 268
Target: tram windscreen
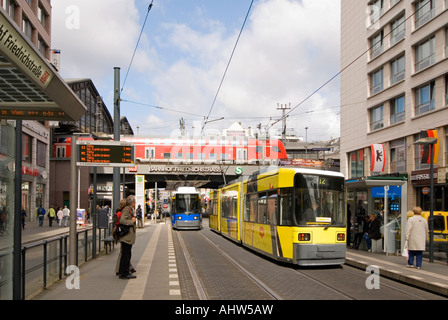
319 200
187 203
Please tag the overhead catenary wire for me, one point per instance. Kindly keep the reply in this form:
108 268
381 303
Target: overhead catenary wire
138 42
227 67
351 63
162 108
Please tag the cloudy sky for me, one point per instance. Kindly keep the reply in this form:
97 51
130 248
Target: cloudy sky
287 50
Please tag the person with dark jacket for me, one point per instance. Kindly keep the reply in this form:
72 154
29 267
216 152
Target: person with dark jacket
374 231
127 219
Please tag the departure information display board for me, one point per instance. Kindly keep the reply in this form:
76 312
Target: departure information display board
113 154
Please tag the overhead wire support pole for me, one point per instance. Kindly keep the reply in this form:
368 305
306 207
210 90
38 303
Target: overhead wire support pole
284 108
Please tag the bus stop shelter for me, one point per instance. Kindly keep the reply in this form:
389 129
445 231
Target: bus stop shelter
30 89
392 193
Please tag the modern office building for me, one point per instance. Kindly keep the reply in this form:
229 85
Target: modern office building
394 91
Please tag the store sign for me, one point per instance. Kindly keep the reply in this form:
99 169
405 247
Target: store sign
16 49
186 169
422 177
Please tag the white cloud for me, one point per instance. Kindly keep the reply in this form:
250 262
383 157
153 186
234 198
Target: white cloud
105 37
287 50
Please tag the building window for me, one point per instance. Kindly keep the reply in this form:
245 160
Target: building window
446 42
9 7
376 118
42 16
398 70
27 144
27 29
425 98
419 152
41 157
398 30
356 164
376 82
398 155
397 112
424 11
446 89
42 47
376 44
425 54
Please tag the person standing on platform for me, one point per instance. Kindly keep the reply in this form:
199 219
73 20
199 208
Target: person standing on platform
416 233
127 219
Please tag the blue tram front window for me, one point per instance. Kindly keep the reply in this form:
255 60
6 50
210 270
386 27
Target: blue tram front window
319 200
187 203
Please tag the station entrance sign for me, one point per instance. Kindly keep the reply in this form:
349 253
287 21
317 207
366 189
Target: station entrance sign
109 153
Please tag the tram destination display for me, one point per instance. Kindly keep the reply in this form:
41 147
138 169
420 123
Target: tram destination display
113 154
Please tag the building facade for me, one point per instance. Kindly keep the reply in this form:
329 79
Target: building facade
33 18
32 94
394 88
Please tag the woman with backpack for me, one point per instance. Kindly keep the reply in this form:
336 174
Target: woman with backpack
127 219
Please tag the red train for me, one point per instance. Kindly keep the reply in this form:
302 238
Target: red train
189 150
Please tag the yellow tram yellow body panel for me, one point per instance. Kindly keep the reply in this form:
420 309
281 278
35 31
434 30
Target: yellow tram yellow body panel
267 214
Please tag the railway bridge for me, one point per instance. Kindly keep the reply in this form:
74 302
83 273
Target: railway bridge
170 176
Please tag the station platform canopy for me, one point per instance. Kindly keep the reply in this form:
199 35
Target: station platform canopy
30 87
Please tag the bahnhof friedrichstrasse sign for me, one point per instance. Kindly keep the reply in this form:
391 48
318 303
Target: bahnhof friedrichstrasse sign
30 88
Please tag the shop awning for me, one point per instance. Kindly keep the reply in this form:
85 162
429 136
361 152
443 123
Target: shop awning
30 88
375 182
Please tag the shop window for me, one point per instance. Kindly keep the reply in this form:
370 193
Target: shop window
356 164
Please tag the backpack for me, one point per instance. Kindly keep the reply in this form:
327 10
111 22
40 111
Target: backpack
116 218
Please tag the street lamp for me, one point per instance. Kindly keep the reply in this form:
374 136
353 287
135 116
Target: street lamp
430 141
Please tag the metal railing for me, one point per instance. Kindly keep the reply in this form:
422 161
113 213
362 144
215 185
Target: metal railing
45 261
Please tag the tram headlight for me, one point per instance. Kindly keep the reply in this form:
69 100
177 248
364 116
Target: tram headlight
304 237
179 218
341 236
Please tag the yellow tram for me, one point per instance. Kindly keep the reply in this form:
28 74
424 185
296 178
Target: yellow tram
295 215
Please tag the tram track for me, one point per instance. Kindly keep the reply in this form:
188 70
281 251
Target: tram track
241 274
201 288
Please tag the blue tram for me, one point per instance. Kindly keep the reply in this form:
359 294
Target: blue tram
186 211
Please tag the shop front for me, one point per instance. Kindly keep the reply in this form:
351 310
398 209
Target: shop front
421 183
386 197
